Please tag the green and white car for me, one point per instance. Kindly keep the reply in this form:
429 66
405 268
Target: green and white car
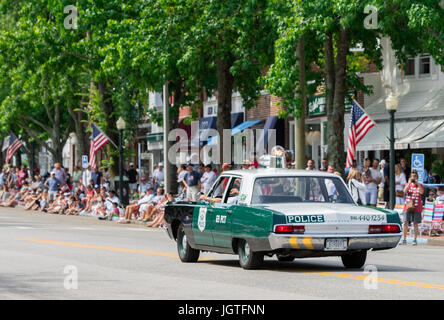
287 213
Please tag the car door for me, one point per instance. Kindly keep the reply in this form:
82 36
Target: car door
223 214
203 215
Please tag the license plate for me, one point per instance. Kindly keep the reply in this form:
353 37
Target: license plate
336 244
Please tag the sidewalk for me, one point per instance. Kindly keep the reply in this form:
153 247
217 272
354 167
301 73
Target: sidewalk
429 241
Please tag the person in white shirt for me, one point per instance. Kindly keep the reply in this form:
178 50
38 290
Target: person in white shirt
356 187
158 176
400 182
109 206
208 178
144 185
86 176
371 179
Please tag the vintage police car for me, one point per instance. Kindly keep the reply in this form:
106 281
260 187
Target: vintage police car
283 212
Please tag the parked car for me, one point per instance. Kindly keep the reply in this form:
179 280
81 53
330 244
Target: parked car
287 213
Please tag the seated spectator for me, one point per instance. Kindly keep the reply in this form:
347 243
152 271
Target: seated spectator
43 202
159 212
12 200
31 202
135 207
149 212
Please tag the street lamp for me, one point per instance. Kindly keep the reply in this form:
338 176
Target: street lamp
120 124
391 104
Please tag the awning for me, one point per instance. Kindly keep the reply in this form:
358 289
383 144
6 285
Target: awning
433 140
412 104
236 119
245 125
272 123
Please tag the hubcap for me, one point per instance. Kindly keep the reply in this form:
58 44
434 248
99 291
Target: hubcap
184 241
246 250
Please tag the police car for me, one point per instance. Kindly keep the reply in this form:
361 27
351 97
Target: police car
280 212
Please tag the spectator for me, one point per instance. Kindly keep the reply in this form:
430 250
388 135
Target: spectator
22 175
60 173
400 182
405 168
371 179
86 176
97 177
356 187
324 164
191 182
158 176
132 177
53 185
76 176
208 178
310 165
181 172
413 191
386 178
432 196
353 166
440 195
144 185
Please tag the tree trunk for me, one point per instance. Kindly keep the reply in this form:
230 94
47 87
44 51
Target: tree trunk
299 122
108 108
225 82
336 152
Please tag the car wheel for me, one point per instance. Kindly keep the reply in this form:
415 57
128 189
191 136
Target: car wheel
284 257
186 253
249 259
354 260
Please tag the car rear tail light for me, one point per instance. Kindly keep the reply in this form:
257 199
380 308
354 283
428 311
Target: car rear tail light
289 229
384 228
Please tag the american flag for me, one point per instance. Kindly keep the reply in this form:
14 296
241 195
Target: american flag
99 139
14 145
360 124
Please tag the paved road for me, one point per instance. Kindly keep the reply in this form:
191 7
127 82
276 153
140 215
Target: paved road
114 261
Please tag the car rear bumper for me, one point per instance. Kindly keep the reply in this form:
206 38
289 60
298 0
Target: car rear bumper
317 242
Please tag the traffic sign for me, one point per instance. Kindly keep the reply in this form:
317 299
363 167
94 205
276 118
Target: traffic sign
418 165
85 163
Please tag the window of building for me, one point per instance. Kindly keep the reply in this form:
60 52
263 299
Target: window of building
410 67
424 65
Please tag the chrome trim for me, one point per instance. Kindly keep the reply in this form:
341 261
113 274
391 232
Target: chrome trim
317 241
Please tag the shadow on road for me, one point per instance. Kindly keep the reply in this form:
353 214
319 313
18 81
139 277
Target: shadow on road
310 266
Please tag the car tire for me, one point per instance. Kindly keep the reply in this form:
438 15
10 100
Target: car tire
186 253
354 260
249 259
284 258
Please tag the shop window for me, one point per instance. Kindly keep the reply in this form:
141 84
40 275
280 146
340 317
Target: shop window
424 66
410 67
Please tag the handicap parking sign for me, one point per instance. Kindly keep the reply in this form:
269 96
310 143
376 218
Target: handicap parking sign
418 165
85 161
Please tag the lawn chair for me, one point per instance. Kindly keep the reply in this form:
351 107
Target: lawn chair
437 217
427 220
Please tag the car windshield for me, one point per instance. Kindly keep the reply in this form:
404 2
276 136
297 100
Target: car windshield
300 189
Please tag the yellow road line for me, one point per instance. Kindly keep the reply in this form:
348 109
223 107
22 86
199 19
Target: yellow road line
79 245
170 255
381 280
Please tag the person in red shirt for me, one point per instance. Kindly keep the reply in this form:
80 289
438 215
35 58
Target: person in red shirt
22 175
413 191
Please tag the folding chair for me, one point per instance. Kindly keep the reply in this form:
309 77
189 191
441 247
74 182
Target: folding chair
427 221
437 217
